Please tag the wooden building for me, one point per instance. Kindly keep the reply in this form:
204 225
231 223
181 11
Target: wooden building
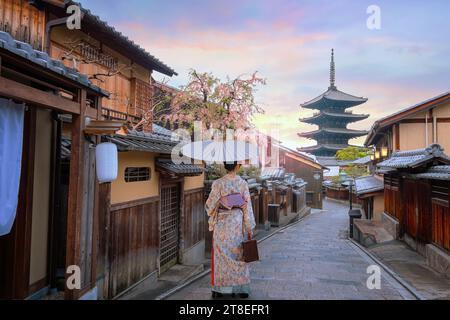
150 192
154 218
412 128
149 218
370 192
307 169
417 201
49 90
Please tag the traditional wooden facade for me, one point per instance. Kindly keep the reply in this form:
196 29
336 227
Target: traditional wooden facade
417 200
152 215
306 168
164 200
370 193
412 128
28 253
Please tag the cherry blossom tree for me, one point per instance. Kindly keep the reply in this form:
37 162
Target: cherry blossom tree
217 104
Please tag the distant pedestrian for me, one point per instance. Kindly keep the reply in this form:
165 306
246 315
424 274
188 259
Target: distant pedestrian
231 226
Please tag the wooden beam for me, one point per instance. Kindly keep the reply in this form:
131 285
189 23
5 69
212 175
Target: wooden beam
75 201
410 112
91 113
397 137
18 91
20 274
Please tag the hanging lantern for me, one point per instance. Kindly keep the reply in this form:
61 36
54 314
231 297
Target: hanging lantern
372 157
107 162
377 155
384 152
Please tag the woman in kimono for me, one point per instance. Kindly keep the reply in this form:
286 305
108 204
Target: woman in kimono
229 274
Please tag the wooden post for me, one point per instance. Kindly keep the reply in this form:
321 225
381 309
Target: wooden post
99 200
75 201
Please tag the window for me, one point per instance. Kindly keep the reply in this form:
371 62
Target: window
95 55
309 197
137 174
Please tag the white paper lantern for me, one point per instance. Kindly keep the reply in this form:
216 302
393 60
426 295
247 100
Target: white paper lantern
107 162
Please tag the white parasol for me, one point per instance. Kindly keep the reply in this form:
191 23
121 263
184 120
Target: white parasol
212 151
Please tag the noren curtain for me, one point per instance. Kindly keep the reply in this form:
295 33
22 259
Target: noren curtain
11 137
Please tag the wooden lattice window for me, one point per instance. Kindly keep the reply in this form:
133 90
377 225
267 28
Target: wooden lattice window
137 174
142 96
91 53
440 196
391 182
439 190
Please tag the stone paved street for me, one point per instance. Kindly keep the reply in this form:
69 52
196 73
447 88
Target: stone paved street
310 260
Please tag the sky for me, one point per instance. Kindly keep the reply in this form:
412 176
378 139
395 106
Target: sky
405 61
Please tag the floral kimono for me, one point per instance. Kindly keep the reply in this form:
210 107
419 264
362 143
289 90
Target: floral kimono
229 273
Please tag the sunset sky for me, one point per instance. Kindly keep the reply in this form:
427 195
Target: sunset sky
289 43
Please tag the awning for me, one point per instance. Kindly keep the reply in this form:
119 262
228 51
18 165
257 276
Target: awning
166 166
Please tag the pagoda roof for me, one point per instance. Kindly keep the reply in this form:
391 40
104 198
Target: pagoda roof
344 115
333 98
340 131
319 147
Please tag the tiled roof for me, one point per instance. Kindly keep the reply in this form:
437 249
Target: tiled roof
272 173
134 141
253 184
303 155
26 51
139 141
436 173
157 64
162 131
332 162
414 158
362 161
333 147
334 97
334 130
348 115
368 184
179 169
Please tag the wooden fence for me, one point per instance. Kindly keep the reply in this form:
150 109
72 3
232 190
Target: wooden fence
193 219
134 243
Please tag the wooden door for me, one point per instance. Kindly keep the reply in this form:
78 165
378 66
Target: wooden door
424 222
170 226
411 210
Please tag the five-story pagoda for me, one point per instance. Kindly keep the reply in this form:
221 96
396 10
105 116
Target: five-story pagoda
332 119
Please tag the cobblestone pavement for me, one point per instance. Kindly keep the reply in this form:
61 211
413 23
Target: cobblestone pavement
310 260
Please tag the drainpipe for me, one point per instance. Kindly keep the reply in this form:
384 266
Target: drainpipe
48 29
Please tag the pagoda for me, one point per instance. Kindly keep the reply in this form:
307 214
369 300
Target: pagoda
332 119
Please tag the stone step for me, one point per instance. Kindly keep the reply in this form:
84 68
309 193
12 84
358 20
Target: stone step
369 233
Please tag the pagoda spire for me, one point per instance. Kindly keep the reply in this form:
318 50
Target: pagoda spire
332 71
332 120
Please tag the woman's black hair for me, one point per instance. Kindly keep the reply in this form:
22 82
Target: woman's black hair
230 166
